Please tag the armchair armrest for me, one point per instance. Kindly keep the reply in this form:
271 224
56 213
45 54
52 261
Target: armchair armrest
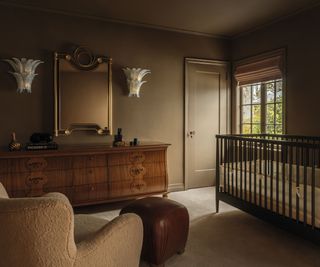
3 192
117 244
56 195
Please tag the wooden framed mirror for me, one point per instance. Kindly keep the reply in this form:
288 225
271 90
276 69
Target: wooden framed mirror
82 92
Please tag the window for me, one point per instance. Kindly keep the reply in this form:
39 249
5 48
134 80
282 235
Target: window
261 107
260 89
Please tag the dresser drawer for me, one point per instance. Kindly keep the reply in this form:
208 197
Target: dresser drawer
125 172
89 161
59 178
91 192
90 175
156 184
25 180
127 188
35 164
3 166
136 157
5 179
59 163
129 172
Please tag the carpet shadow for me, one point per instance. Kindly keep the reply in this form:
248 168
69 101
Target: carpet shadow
237 239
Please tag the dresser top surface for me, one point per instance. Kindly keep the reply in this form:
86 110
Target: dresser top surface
84 149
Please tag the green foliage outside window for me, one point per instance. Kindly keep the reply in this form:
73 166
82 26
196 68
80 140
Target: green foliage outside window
262 108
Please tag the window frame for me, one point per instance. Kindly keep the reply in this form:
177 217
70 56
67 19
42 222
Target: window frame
236 93
263 104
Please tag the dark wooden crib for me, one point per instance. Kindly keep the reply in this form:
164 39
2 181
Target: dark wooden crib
273 177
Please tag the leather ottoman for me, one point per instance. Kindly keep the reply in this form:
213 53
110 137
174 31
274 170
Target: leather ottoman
166 227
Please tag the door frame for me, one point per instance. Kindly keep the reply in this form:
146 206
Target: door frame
187 61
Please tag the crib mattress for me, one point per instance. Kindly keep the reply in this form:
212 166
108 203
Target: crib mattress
297 196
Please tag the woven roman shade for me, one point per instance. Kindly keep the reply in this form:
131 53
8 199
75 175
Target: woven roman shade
259 70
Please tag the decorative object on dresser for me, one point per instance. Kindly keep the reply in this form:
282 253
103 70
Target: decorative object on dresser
118 139
24 72
42 146
41 141
134 79
82 92
135 142
41 138
14 145
87 174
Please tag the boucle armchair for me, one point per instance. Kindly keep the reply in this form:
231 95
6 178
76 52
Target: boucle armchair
43 232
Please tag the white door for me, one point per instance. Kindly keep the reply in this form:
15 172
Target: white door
206 114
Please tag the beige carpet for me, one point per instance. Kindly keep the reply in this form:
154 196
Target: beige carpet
237 239
232 238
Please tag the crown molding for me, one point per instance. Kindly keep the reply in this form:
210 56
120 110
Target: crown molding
111 20
157 27
275 21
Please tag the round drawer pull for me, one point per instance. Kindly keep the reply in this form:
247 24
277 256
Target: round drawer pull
36 180
137 171
137 157
36 164
138 186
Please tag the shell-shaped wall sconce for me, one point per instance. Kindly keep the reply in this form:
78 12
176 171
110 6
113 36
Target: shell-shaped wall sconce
24 72
134 79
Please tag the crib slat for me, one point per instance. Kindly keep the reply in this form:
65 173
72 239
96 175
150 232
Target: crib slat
297 183
232 167
313 188
225 166
245 170
260 193
277 179
265 175
250 171
290 180
305 162
241 167
221 150
283 155
237 158
255 172
229 158
260 157
271 176
217 173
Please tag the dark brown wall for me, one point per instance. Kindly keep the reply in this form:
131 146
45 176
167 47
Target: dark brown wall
301 36
157 115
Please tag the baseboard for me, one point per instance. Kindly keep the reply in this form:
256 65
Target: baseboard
176 187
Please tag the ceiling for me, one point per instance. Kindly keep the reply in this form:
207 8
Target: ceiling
220 18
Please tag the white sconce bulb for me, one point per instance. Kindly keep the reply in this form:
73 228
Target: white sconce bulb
24 72
134 79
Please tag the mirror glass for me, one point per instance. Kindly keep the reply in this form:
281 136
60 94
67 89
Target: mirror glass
83 93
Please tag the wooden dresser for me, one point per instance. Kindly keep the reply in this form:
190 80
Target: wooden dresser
87 174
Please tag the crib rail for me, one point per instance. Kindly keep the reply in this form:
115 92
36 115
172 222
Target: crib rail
279 173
